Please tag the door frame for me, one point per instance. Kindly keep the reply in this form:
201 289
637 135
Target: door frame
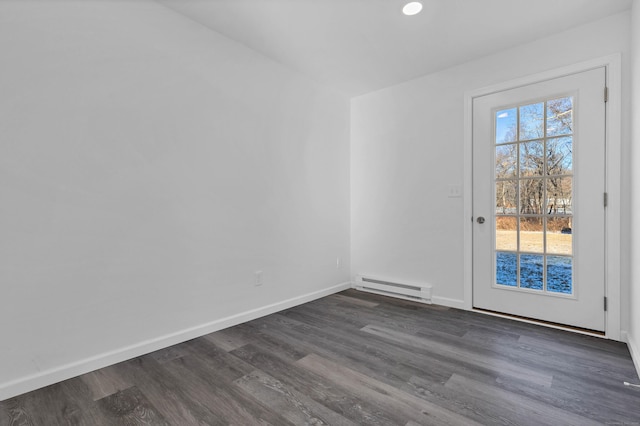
613 72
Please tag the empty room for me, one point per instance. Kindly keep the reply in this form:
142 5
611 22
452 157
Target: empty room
319 212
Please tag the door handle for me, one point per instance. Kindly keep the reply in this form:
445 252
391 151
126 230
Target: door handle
480 219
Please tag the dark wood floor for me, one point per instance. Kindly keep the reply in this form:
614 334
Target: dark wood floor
355 359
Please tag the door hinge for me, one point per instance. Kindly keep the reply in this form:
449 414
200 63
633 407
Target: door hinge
605 303
606 199
606 94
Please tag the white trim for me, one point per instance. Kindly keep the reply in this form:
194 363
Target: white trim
613 65
64 372
467 188
613 321
634 350
451 303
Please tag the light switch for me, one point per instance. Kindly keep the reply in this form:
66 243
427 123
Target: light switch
455 190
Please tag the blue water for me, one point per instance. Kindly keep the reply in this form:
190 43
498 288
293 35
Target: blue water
559 272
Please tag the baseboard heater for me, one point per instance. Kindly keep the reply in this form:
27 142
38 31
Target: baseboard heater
402 290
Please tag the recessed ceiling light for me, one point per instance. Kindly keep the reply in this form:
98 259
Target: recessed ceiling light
412 8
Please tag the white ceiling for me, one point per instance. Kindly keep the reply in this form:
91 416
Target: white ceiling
358 46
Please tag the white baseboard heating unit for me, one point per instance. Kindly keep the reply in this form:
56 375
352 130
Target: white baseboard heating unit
417 292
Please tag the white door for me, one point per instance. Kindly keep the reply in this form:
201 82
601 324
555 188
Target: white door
538 201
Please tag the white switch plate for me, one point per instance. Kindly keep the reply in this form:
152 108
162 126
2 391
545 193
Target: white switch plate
455 190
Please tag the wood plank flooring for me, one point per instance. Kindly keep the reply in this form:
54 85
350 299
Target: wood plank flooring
355 359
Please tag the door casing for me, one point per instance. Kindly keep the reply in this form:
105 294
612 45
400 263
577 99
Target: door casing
613 65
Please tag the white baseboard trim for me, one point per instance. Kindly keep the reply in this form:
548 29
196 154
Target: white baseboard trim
451 303
624 336
634 349
67 371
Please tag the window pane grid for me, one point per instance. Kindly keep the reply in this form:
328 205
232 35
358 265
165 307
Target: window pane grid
534 196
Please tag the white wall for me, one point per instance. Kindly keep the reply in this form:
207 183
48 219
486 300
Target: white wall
634 328
407 147
148 167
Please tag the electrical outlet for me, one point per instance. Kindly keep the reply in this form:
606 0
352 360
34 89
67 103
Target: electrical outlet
258 278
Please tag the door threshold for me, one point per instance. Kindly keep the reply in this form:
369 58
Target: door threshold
543 323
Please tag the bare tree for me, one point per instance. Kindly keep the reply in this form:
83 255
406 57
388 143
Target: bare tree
529 161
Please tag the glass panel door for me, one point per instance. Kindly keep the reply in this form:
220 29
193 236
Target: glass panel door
538 216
